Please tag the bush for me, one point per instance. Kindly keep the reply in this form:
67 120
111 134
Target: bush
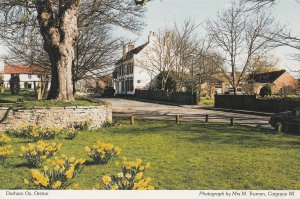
131 177
35 154
102 153
14 84
287 90
58 177
265 91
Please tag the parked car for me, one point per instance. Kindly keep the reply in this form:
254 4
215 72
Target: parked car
230 91
289 120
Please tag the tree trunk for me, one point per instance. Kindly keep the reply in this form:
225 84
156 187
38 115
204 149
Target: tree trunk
60 32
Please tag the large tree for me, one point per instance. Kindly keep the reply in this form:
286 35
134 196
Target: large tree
240 36
57 21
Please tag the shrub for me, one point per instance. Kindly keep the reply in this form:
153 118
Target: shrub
35 154
131 177
265 91
287 90
5 152
14 85
4 139
102 153
58 177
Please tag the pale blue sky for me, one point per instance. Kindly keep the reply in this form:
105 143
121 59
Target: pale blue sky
164 13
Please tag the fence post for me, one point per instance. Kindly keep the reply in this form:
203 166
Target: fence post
232 121
177 119
132 120
206 118
278 128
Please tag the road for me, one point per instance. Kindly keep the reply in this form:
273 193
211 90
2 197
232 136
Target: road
167 112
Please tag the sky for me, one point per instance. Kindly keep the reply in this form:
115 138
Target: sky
162 13
166 12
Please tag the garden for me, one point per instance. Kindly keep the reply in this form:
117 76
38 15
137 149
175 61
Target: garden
149 155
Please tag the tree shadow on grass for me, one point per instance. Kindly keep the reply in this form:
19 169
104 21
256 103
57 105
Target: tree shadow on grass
215 133
24 164
92 163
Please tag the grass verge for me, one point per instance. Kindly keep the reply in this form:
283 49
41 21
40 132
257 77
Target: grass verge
186 156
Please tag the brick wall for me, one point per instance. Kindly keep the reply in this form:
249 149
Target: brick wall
61 117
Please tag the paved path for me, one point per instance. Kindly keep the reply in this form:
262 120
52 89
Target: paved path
160 111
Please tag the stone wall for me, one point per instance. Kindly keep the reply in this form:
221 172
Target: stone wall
63 117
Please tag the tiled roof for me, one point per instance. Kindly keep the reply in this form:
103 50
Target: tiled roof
25 69
268 77
130 54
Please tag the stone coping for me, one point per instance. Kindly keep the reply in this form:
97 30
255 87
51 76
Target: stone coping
58 107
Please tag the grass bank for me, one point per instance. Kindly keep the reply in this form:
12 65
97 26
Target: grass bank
185 156
26 99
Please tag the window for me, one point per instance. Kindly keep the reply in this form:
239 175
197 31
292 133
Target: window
138 81
131 85
29 76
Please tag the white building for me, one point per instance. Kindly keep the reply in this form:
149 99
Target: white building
27 74
135 70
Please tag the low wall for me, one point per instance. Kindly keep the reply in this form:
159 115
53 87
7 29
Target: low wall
62 117
249 102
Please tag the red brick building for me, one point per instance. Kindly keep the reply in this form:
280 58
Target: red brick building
276 80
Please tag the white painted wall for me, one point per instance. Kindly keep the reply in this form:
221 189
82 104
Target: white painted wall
23 78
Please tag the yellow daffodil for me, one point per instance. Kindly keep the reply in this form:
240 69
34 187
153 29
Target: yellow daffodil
56 185
106 180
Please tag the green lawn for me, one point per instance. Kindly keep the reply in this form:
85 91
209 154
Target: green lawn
28 100
207 102
185 156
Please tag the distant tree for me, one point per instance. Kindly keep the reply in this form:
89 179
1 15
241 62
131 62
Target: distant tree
259 65
14 85
239 36
168 85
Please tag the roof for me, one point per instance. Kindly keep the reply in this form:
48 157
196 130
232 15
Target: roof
135 51
25 69
268 77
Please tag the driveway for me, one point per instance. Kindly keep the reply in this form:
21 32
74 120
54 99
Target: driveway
167 112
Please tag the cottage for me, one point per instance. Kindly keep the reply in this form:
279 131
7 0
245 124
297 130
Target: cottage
28 75
275 79
134 70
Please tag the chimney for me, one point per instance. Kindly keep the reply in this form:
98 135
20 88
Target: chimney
124 52
151 36
130 47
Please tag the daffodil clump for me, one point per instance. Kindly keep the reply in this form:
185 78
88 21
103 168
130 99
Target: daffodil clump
5 152
58 176
131 177
36 133
102 153
4 139
35 154
71 133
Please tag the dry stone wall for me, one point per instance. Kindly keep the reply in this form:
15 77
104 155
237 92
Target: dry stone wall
62 117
